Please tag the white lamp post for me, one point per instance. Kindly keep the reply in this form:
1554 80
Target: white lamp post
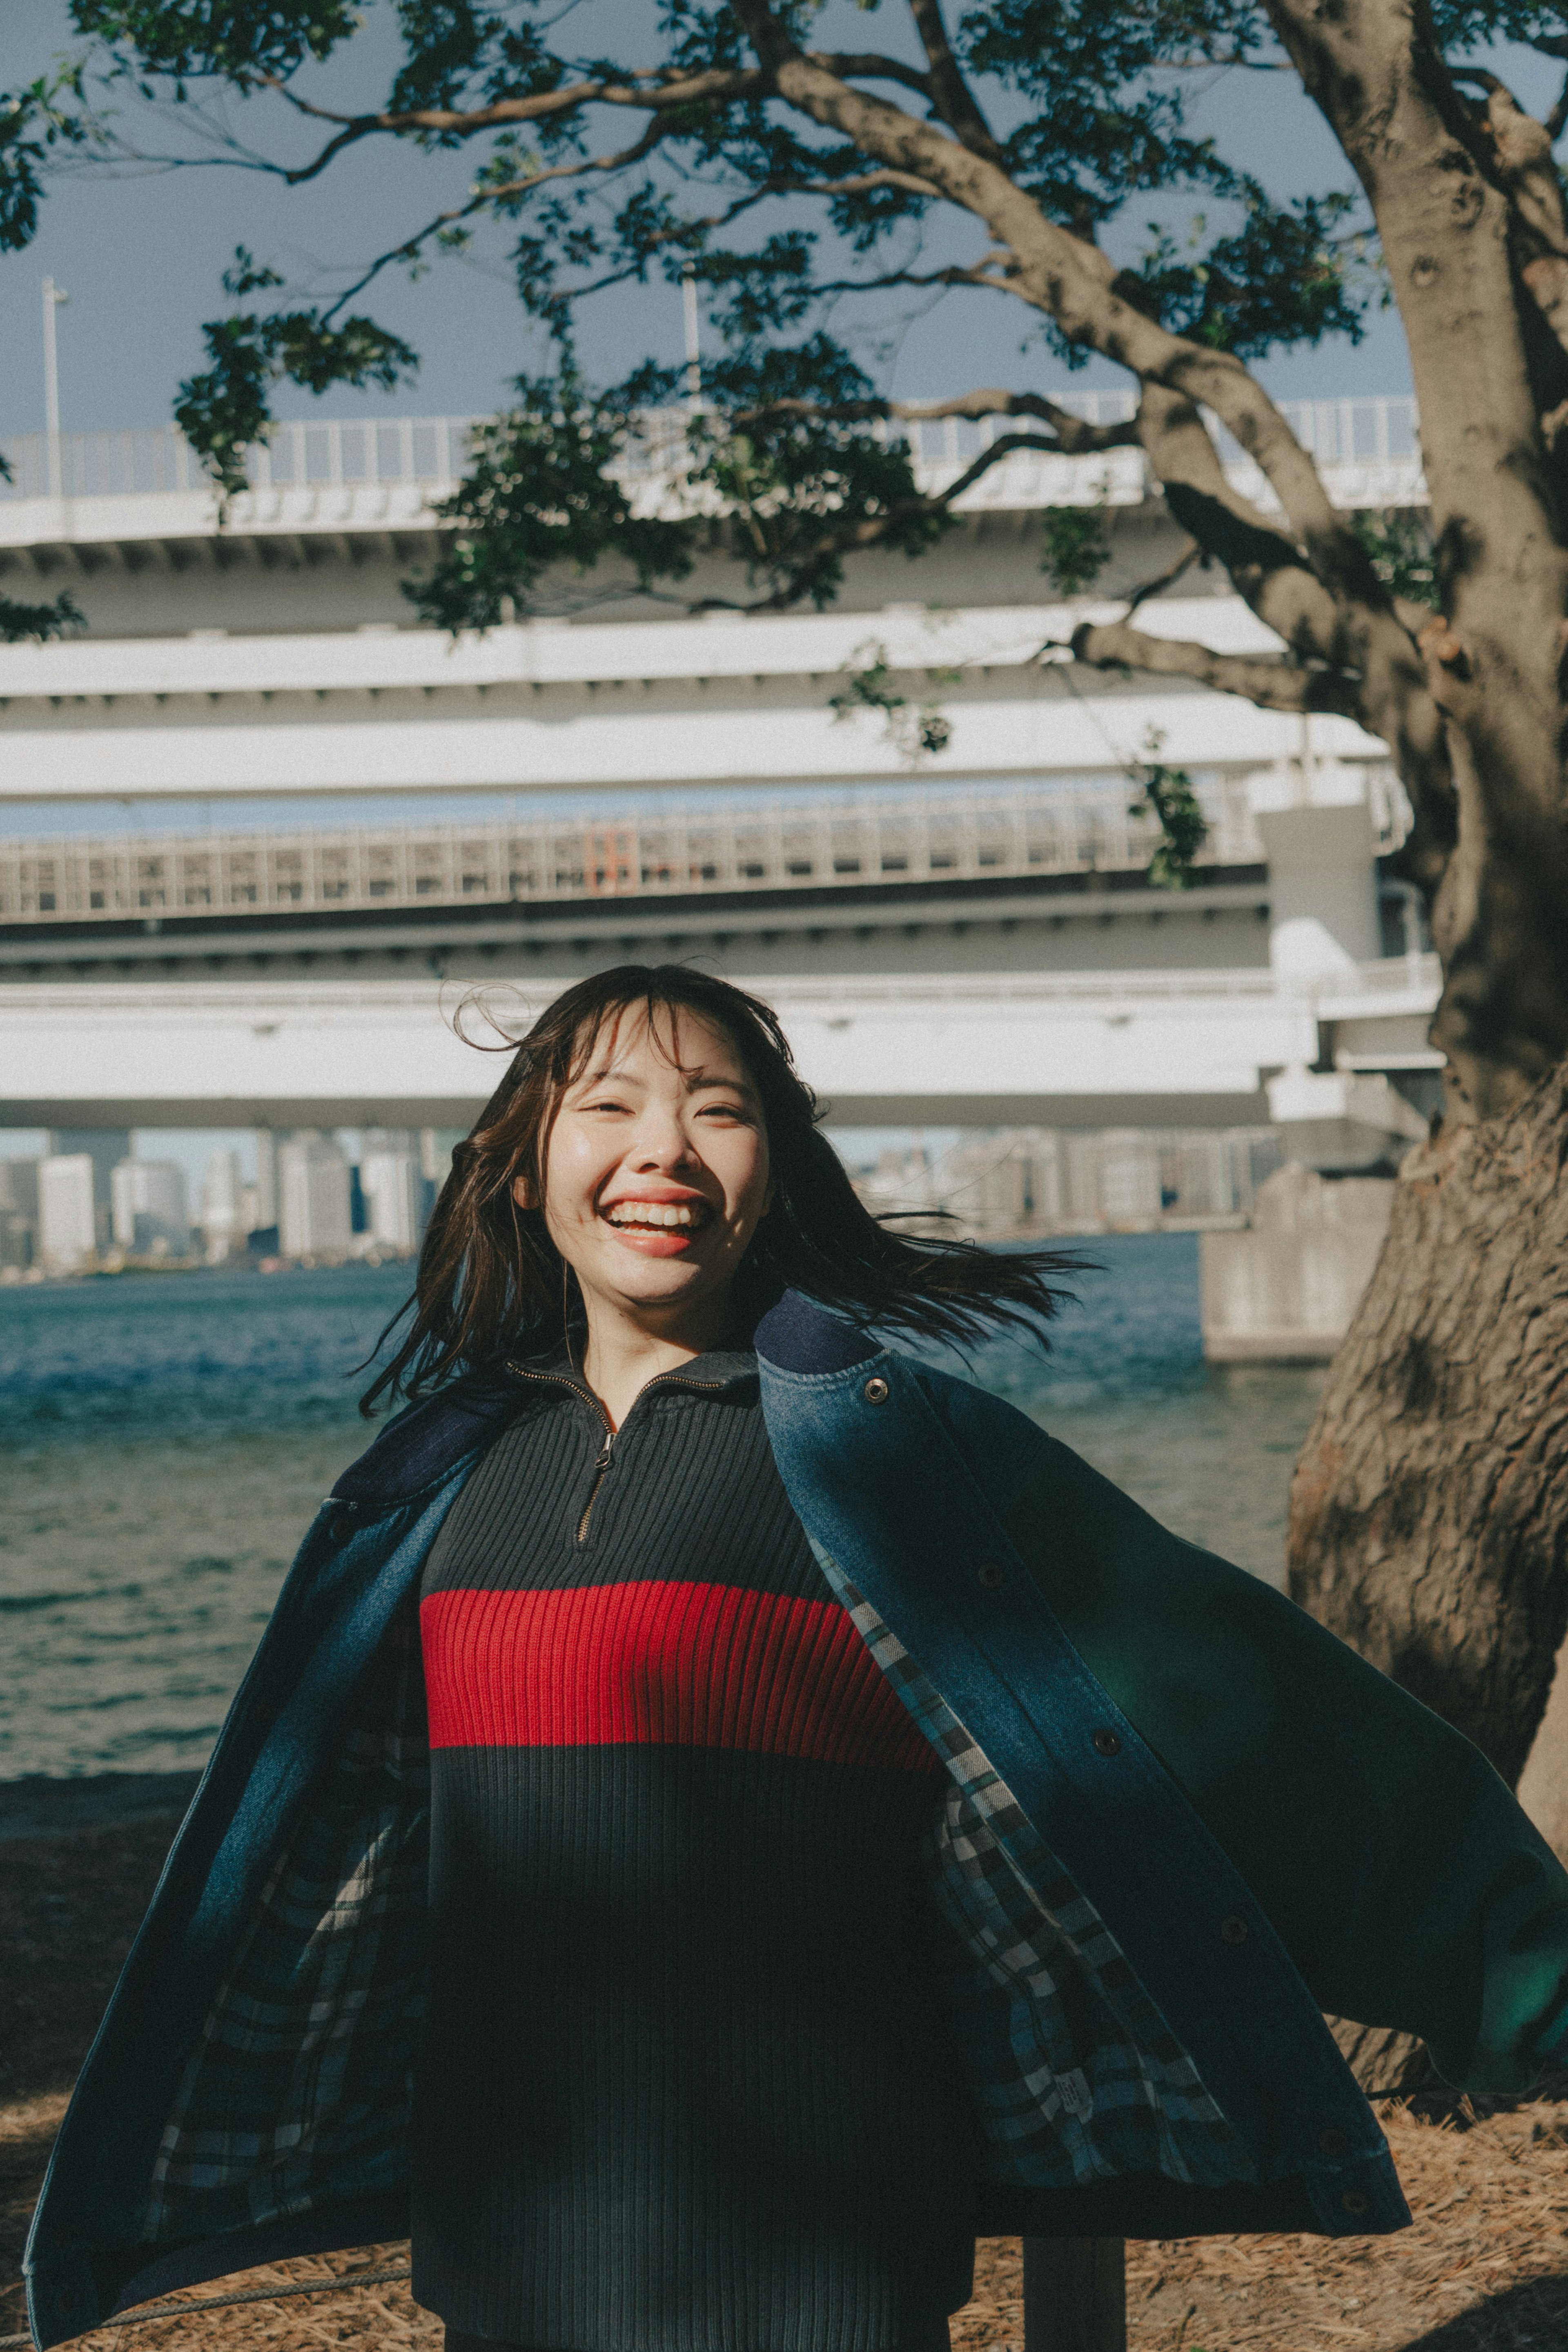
693 340
53 297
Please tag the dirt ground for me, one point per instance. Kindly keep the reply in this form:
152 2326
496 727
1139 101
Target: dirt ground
1484 2269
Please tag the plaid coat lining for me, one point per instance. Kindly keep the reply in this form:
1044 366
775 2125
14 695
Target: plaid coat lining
1076 2075
298 2093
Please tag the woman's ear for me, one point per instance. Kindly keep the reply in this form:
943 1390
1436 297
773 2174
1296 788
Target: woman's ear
523 1193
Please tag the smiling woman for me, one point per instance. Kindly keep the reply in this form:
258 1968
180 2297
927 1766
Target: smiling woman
664 1090
656 1178
676 1808
724 1813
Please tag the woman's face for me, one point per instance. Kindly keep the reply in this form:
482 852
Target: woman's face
656 1169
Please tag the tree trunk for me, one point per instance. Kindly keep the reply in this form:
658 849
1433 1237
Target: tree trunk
1429 1509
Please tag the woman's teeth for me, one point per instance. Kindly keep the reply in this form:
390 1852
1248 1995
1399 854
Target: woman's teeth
650 1213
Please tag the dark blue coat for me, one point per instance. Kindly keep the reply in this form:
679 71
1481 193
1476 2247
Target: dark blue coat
1180 1822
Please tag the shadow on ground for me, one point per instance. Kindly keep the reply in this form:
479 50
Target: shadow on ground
1528 2318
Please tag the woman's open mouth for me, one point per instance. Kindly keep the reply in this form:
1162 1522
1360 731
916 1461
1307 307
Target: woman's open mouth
670 1223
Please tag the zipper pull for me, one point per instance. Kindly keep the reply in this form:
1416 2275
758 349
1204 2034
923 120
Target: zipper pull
602 1461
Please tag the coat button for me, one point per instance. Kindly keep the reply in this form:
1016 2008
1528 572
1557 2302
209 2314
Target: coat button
1352 2201
1331 2142
1234 1929
342 1526
875 1392
1107 1744
990 1576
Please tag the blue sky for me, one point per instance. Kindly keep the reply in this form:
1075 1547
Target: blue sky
140 257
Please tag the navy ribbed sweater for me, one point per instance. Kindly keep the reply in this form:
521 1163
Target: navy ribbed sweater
688 2083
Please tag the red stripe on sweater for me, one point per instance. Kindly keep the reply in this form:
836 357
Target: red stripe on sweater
669 1665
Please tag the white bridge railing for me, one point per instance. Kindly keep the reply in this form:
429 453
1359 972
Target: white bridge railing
1362 437
778 848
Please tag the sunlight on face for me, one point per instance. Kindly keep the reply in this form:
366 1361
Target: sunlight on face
656 1172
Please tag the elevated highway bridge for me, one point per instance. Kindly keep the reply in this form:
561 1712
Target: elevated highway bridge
261 834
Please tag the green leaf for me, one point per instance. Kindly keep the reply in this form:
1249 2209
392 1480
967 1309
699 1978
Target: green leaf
1076 548
236 40
1167 793
38 622
1403 551
915 731
541 491
225 410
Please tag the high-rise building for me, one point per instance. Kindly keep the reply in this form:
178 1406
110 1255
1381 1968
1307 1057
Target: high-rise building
224 1219
265 1179
1129 1176
148 1209
393 1189
313 1197
18 1212
67 1231
436 1146
105 1146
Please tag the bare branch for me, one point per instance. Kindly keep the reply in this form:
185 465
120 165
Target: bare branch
857 184
1184 563
1270 681
1262 559
1075 438
954 99
696 89
955 274
412 246
1557 120
868 67
1006 447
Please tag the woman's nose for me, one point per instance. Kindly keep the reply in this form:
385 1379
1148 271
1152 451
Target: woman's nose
661 1143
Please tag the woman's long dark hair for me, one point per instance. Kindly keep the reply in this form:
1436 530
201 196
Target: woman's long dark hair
489 1275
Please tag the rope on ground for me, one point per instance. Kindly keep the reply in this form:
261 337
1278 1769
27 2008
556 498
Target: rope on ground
251 2294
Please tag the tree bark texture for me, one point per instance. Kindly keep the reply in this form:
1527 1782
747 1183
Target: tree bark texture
1429 1509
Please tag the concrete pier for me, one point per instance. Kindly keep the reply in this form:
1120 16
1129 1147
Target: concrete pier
1283 1291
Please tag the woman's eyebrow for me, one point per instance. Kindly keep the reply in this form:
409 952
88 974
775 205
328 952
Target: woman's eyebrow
700 1077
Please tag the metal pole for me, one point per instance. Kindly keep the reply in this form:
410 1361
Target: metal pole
53 298
1074 2294
694 343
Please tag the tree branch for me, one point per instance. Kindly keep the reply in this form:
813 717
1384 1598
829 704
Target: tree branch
955 274
1184 563
1075 438
857 184
1270 679
951 93
869 66
870 531
1557 120
697 90
650 137
1073 282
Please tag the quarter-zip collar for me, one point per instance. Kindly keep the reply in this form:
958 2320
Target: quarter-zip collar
716 1370
715 1367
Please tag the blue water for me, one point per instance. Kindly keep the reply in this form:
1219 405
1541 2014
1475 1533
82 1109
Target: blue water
167 1438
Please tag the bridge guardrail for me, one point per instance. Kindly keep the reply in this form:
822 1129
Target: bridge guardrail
778 848
1392 985
1368 441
